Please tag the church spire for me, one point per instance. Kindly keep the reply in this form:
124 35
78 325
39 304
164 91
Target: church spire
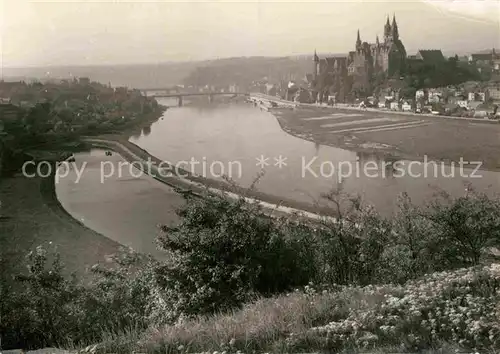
358 41
395 32
316 66
387 29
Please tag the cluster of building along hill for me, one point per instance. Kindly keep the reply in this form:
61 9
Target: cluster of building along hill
358 69
370 66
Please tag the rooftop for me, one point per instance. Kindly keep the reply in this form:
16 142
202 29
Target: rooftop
431 55
482 56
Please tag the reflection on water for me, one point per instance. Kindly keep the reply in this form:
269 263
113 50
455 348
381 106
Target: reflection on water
317 146
135 135
217 135
146 130
364 157
123 206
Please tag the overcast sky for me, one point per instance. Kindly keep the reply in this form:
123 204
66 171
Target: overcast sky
117 32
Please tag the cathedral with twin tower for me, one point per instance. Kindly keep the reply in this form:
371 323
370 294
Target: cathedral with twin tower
356 73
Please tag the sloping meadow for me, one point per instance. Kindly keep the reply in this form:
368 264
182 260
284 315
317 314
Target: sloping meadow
459 307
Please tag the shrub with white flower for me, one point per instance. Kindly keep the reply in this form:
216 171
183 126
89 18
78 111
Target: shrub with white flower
459 306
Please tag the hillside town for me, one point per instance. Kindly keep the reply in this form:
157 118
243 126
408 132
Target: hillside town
381 75
37 119
78 105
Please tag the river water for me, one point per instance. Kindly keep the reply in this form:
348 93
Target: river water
126 207
228 139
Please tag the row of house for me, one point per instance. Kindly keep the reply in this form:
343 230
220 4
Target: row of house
476 109
469 99
489 60
291 90
461 97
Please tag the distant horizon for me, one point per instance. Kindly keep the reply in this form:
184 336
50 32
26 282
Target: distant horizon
174 62
75 33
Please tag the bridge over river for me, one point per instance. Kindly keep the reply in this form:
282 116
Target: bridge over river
167 92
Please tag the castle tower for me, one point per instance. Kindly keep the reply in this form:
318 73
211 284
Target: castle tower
387 31
376 55
316 65
358 43
395 31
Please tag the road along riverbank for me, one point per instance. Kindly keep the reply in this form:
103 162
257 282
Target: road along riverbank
185 181
340 106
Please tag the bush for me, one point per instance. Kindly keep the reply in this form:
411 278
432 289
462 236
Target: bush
411 249
44 309
465 227
224 252
42 313
119 296
350 247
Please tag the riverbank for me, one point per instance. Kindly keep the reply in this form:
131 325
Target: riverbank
33 216
136 126
197 185
345 106
401 137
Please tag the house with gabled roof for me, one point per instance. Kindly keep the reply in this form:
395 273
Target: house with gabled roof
430 56
494 91
484 58
485 110
472 105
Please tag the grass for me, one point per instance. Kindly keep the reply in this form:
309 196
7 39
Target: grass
33 216
323 321
257 326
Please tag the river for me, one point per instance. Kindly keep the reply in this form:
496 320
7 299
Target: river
229 138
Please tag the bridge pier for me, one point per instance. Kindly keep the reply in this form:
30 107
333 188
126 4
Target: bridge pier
210 98
180 101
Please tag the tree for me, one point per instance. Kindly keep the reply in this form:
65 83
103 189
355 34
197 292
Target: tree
467 226
408 92
453 61
224 252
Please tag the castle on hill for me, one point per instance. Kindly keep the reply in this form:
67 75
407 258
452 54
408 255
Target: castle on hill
357 72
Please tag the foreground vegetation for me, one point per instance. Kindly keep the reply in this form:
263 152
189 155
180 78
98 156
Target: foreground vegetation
237 280
448 311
